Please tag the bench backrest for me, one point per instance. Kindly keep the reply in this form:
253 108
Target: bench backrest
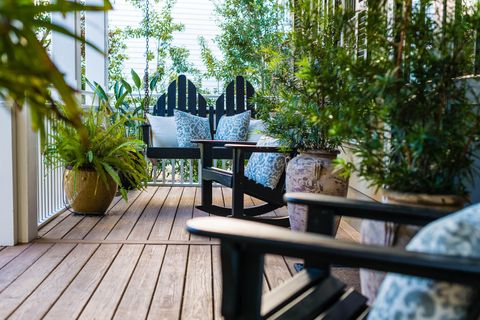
236 99
182 95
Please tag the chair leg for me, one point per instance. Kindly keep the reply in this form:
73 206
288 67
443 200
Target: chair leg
206 193
243 272
237 183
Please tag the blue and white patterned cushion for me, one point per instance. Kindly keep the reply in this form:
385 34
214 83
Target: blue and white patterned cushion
408 297
266 168
190 127
233 128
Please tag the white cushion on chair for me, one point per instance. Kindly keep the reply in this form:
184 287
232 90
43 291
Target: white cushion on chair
408 297
256 130
164 131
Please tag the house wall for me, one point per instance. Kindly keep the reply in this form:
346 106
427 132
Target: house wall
198 18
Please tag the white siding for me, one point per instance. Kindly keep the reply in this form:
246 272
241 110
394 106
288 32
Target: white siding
198 18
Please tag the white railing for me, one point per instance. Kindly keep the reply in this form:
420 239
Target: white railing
51 197
168 172
176 172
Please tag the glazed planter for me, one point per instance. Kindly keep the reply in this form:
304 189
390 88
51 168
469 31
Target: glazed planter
86 193
312 171
390 234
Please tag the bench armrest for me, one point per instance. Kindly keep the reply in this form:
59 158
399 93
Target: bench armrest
221 142
262 239
255 148
319 204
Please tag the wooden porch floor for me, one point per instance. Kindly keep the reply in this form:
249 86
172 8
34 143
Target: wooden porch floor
136 262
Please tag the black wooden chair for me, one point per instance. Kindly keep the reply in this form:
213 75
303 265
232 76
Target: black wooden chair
183 95
240 184
313 291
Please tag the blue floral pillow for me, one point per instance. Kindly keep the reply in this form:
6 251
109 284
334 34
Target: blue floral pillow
233 128
190 127
266 168
408 297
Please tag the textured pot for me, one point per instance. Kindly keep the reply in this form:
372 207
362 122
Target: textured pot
87 193
312 172
390 234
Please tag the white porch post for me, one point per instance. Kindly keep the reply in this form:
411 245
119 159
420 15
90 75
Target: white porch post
7 177
96 31
26 177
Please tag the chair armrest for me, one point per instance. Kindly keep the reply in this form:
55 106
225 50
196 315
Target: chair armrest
221 142
255 148
262 238
146 131
366 209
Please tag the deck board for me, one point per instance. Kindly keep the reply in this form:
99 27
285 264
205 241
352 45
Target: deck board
136 262
108 222
144 225
136 300
15 294
125 224
197 297
167 300
21 263
38 303
103 303
76 296
164 222
10 253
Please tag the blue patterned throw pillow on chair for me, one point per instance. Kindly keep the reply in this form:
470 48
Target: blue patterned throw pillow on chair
233 128
266 168
190 127
408 297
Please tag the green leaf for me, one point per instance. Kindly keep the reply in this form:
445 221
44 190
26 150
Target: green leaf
111 172
136 79
90 156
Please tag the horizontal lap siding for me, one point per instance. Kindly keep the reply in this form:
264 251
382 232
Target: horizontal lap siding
198 18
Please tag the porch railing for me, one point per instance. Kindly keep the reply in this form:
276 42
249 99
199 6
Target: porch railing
167 172
51 197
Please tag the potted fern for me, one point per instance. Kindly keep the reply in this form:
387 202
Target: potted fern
92 169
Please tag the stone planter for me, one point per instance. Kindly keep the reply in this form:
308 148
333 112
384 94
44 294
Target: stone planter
86 193
313 172
394 235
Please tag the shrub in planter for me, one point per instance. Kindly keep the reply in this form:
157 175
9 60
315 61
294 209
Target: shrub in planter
308 73
414 118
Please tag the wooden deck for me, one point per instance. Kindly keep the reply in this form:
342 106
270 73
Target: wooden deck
136 262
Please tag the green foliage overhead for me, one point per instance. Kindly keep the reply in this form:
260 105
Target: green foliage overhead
415 128
27 73
249 29
109 152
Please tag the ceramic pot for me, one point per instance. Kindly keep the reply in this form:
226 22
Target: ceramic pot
390 234
86 193
312 171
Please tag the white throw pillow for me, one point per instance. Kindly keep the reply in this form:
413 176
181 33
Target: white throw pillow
164 131
256 130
